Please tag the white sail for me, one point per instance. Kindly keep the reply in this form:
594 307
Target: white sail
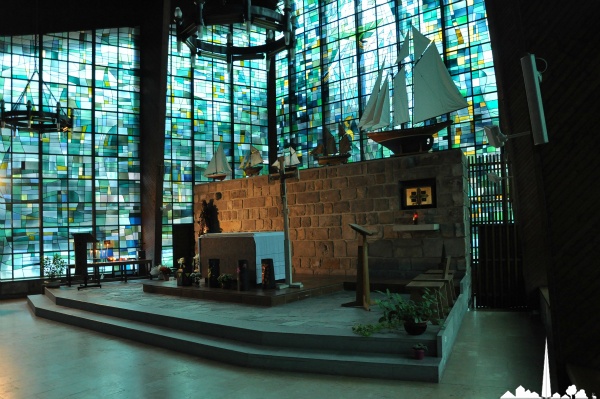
367 117
290 158
435 91
381 116
253 158
404 50
400 99
245 162
218 164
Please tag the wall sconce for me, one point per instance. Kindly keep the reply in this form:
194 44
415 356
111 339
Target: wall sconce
496 138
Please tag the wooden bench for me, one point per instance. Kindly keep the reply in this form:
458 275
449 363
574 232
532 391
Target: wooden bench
440 281
418 288
448 285
445 275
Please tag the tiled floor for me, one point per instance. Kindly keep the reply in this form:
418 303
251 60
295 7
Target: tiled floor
495 352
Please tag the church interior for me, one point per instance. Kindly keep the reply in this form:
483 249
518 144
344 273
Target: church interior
344 229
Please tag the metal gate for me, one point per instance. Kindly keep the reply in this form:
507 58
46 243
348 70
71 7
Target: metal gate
496 259
498 275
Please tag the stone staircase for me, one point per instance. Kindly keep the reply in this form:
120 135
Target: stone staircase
251 344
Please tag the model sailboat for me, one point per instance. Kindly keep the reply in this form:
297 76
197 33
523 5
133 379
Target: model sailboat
252 163
327 152
435 94
290 159
218 168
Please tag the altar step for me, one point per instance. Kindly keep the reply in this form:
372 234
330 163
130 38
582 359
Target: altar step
242 344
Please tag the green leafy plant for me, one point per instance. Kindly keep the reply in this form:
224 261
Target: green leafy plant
420 346
396 310
54 267
225 278
366 330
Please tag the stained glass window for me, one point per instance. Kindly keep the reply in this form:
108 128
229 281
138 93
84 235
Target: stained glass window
88 178
84 179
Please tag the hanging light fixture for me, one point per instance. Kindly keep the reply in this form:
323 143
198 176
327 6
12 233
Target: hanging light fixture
191 18
43 118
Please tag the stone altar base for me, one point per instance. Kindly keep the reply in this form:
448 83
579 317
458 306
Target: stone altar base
313 286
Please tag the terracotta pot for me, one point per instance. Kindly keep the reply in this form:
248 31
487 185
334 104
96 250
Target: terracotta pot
419 354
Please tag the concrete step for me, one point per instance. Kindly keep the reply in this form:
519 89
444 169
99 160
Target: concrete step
221 340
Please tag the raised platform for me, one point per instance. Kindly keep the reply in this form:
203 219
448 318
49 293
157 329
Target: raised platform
312 287
313 335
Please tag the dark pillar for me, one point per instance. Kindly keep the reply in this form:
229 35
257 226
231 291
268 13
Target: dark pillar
154 40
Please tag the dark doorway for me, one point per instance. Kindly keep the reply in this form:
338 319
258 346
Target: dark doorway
184 245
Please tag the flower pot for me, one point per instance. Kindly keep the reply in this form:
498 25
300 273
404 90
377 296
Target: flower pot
419 354
165 277
413 328
52 283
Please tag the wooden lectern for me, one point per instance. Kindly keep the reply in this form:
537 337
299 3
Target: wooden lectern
363 286
81 265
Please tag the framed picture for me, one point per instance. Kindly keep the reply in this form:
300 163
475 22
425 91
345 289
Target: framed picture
418 194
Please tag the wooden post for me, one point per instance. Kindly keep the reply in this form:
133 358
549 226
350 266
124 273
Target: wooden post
366 282
363 299
282 176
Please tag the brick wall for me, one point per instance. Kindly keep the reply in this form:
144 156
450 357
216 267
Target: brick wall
324 201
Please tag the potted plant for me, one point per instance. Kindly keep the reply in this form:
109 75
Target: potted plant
53 268
183 278
414 315
419 350
196 277
226 280
165 271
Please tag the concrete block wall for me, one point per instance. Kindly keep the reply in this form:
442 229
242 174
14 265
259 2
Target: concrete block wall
324 201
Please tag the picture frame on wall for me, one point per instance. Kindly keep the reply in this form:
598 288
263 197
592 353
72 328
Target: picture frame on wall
418 194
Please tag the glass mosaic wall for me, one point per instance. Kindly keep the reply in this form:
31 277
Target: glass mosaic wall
209 105
84 179
87 179
342 44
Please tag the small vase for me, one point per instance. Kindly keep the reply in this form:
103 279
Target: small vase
165 277
419 354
